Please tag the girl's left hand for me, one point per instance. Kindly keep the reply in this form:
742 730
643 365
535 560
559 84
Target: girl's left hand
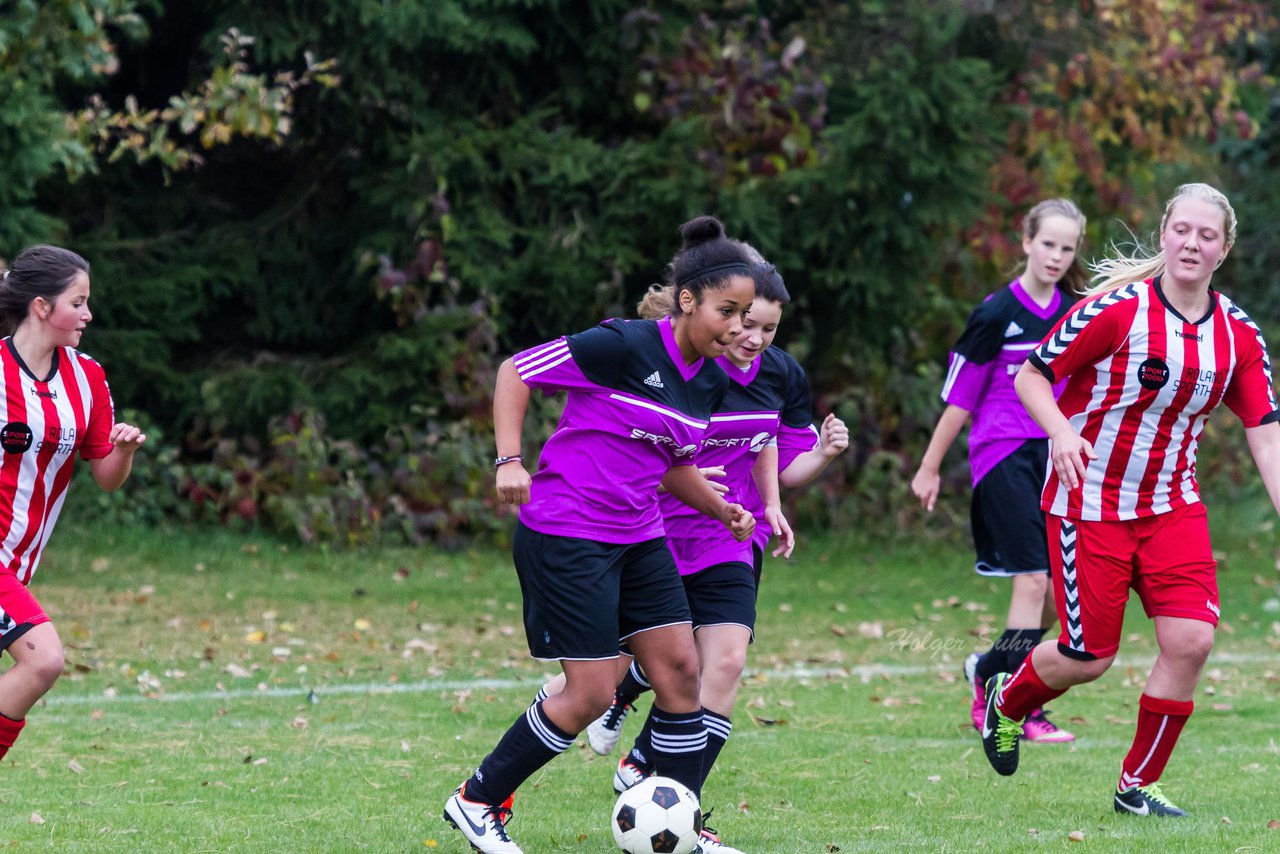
782 530
126 437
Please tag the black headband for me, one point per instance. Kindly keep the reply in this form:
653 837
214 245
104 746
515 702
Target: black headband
719 268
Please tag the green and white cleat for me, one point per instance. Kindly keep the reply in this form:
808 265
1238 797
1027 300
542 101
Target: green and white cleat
1145 800
1000 735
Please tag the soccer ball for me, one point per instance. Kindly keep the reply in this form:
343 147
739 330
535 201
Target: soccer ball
657 816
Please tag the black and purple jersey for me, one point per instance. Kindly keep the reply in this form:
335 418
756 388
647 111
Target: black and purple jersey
766 402
1001 332
634 410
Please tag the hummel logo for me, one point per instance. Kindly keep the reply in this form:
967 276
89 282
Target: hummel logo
654 380
1213 608
1014 329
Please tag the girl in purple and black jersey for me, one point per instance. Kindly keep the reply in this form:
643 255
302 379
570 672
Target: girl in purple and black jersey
1007 450
594 568
765 412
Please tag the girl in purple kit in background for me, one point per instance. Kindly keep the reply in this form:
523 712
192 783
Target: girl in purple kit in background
1007 452
589 549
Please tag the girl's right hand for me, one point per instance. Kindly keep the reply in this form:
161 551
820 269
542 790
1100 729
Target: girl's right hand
926 485
513 483
1071 454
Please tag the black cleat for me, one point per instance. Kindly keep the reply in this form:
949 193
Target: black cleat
1145 800
1000 735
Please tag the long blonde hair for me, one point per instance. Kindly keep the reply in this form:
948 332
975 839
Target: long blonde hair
1075 278
1112 273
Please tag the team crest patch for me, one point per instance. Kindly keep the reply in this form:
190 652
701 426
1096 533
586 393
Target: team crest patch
15 437
1153 374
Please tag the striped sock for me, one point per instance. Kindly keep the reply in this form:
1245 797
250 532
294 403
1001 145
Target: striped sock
679 740
718 729
1160 722
531 742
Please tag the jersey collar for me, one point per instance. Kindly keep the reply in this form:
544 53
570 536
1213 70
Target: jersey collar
687 372
1213 303
53 363
737 374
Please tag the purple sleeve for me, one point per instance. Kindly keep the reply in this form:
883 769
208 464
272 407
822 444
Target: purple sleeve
966 382
794 441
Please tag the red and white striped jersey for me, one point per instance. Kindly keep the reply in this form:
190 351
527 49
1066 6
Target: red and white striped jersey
1141 383
45 423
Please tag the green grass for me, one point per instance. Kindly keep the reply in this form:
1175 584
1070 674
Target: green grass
234 694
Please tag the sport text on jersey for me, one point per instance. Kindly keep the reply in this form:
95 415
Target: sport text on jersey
679 450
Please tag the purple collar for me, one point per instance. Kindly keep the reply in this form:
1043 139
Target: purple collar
1031 305
736 373
687 372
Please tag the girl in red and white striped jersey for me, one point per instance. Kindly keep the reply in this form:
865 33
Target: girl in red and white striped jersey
56 402
1147 357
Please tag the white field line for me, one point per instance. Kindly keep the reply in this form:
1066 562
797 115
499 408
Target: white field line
860 672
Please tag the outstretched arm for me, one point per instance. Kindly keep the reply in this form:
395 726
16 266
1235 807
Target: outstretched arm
927 483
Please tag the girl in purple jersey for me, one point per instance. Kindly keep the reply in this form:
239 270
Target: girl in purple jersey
1007 450
589 550
766 413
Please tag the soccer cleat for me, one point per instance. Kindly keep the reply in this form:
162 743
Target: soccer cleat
629 774
709 841
978 708
484 825
603 733
1038 727
1145 800
999 733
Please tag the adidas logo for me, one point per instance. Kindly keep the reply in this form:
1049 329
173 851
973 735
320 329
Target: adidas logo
1014 329
654 380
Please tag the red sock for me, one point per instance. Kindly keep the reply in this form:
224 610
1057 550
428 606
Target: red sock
1160 722
9 730
1023 692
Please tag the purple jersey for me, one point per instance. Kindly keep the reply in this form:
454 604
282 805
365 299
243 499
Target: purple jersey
1000 334
634 410
765 401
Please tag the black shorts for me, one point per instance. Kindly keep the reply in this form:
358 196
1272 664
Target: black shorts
582 598
722 595
1008 524
757 563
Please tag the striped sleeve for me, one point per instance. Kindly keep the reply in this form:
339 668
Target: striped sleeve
588 360
1091 331
1251 394
973 358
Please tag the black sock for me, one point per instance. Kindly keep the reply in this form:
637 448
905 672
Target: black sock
531 742
633 684
1021 645
641 753
1007 653
679 740
718 729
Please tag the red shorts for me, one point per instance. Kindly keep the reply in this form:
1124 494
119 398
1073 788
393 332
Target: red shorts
1166 559
19 610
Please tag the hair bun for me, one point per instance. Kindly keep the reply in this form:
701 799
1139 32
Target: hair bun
701 230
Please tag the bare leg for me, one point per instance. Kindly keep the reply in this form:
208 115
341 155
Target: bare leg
38 661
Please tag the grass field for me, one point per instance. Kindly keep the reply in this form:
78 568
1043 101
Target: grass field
234 694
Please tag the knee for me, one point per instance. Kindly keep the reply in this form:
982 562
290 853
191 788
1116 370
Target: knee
46 666
726 668
1088 671
1194 648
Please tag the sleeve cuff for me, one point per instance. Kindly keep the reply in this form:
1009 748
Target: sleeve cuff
1039 365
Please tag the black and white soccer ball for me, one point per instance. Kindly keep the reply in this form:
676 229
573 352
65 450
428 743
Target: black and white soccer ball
657 816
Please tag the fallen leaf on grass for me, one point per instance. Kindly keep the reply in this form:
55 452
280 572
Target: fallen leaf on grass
1226 820
934 778
1076 836
36 818
299 722
75 767
1273 824
236 670
257 636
